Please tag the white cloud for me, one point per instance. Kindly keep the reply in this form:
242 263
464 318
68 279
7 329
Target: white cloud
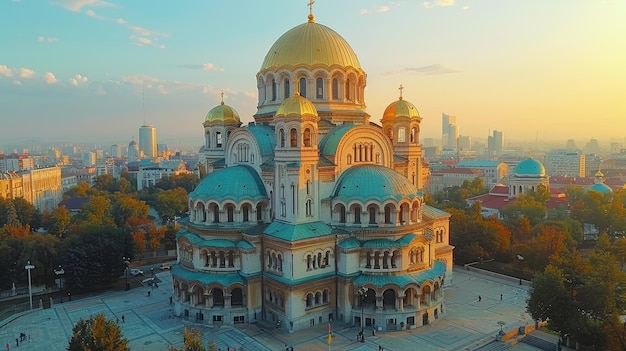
27 73
382 9
364 11
438 3
77 5
17 82
47 39
204 67
466 7
77 80
161 89
120 21
6 71
50 78
148 33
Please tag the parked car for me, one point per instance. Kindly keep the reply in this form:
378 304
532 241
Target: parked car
165 266
136 271
150 282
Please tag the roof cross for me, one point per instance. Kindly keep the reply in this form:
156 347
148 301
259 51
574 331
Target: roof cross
401 88
310 5
222 94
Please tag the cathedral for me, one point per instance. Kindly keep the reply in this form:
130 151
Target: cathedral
312 213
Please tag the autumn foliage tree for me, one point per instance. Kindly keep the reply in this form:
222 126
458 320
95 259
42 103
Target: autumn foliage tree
97 333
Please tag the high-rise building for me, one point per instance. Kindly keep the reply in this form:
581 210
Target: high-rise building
495 143
449 131
564 162
116 151
148 141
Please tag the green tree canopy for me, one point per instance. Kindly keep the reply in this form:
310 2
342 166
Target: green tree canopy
97 334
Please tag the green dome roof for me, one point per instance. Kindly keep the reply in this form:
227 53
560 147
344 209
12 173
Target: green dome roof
373 182
233 183
400 108
296 106
222 113
530 168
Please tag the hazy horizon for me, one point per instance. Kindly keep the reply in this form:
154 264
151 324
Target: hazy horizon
98 70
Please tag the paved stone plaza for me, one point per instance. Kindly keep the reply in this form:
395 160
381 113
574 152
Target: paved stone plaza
467 323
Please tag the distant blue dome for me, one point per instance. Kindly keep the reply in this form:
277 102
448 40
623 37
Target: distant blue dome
233 183
599 187
530 168
372 182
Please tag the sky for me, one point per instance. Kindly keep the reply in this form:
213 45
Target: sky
96 70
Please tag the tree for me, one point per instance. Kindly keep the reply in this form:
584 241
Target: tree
170 203
95 212
139 237
79 190
97 334
192 341
58 221
94 257
525 205
26 213
125 207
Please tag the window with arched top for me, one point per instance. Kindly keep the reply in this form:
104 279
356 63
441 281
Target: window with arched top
293 136
246 213
401 135
348 95
230 210
273 90
357 214
306 138
335 89
319 88
413 135
281 135
287 89
218 139
342 214
302 87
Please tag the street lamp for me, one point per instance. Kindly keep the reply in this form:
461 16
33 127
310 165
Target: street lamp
126 263
362 292
28 267
59 272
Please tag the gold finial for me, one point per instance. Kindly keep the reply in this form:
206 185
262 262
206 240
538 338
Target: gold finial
401 88
311 17
222 94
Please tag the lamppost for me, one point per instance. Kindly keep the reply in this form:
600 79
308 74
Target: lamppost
126 263
362 292
28 267
59 272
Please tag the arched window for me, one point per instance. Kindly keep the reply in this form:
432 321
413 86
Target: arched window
287 88
218 138
231 213
335 89
318 298
308 262
319 88
348 95
325 297
218 297
342 214
281 135
307 137
236 298
246 211
216 214
372 213
413 133
294 137
357 214
302 87
231 259
273 90
401 135
309 300
327 258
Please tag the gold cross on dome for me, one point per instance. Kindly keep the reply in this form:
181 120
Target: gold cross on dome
310 5
222 94
401 88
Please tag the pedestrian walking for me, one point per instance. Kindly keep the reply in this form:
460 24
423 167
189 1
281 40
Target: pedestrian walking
123 320
500 297
479 298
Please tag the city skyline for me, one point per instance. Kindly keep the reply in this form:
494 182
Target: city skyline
97 70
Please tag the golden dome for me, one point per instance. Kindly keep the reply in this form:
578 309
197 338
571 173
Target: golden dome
296 106
310 44
222 113
400 108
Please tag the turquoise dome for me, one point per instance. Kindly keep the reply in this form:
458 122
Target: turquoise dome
372 182
530 168
233 183
599 187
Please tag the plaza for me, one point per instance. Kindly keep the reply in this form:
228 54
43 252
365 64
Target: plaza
149 323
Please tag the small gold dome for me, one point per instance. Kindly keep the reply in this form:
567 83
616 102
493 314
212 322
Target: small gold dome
222 113
310 44
400 108
296 106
